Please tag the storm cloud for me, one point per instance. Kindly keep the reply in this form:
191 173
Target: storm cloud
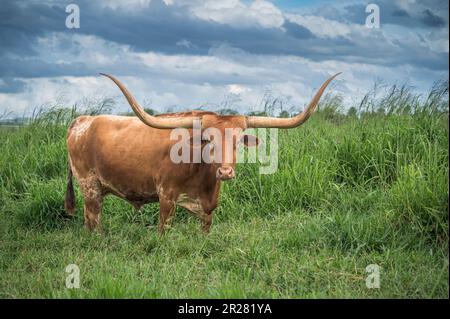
209 45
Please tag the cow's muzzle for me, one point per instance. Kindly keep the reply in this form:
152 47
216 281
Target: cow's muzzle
225 173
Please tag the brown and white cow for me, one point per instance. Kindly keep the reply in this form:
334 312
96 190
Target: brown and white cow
130 157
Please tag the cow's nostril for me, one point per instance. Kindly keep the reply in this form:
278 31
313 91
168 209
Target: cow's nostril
225 173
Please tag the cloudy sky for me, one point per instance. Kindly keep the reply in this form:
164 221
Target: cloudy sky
179 54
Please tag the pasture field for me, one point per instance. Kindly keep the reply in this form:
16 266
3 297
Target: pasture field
366 187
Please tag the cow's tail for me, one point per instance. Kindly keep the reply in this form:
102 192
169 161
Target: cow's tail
69 203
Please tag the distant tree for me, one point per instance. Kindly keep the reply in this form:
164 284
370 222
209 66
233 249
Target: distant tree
146 109
284 114
227 111
150 111
257 113
352 112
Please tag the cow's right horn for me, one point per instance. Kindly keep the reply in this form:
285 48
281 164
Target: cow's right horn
153 121
263 121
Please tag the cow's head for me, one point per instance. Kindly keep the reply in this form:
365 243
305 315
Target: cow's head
222 132
220 136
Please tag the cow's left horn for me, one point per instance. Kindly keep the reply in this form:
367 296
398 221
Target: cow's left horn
263 121
153 121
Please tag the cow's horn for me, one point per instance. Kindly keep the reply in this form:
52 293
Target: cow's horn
262 121
153 121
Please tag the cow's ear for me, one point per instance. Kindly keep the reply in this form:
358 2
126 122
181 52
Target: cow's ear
250 140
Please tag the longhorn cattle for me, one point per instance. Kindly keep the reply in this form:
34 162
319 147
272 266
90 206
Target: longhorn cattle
129 157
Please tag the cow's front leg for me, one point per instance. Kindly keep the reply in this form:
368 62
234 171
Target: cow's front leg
93 200
166 213
207 220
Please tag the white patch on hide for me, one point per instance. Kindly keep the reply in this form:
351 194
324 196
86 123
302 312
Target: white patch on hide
80 128
192 205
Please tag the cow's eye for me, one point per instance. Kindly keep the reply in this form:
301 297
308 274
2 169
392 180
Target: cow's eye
202 140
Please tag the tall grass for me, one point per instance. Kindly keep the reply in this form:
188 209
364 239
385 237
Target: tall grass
352 188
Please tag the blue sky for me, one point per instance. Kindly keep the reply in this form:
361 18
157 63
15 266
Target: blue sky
179 54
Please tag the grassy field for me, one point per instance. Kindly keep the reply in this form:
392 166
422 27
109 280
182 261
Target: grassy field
368 187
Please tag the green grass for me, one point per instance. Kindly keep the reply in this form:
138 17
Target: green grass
349 191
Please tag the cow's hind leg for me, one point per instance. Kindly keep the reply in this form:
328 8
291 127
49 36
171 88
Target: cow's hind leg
92 213
93 200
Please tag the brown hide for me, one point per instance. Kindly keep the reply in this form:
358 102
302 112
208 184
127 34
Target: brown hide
120 155
130 158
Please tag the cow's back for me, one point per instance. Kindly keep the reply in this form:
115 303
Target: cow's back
121 153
